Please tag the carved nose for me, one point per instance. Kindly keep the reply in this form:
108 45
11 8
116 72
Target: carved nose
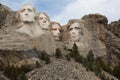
44 21
26 14
73 32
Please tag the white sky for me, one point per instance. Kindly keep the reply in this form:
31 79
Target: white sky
79 8
64 10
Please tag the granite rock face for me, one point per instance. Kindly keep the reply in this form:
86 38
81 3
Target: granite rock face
114 27
95 24
20 48
108 35
4 11
10 39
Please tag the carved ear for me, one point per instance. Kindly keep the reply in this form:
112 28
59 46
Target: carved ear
17 17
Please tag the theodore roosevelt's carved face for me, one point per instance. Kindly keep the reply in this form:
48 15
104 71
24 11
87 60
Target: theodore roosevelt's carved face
27 13
75 31
55 28
43 21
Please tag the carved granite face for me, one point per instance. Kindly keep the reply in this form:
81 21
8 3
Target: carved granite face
56 31
43 21
75 31
27 13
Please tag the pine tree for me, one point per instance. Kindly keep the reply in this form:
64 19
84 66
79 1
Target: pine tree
75 49
45 57
23 76
58 53
90 60
116 71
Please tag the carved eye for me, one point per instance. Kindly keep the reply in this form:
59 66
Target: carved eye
76 27
40 18
70 29
23 10
54 29
29 10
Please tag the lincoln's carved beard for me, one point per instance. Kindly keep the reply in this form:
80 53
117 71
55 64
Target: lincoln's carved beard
56 31
27 13
74 31
43 21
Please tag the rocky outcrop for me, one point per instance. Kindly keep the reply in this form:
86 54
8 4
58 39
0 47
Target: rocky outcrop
98 25
62 70
10 39
20 48
93 32
4 11
114 27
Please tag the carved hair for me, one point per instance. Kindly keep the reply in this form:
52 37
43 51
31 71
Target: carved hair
52 23
80 21
37 16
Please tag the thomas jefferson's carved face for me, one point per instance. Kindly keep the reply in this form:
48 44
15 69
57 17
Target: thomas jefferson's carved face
56 31
75 31
44 21
27 13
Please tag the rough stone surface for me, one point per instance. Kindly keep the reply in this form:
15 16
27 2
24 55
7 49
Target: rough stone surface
61 70
114 27
12 40
4 11
97 24
18 48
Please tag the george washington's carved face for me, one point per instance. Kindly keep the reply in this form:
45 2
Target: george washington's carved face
56 31
75 31
27 13
43 21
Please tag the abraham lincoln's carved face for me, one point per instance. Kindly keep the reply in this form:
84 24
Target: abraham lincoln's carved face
55 29
27 13
43 21
75 31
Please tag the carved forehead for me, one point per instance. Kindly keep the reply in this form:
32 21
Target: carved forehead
42 15
75 24
25 6
55 25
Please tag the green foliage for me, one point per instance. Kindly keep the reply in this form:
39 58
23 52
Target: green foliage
74 53
90 61
58 53
37 64
13 71
45 57
24 68
78 58
107 68
98 67
102 77
1 66
75 50
116 71
23 76
68 57
90 56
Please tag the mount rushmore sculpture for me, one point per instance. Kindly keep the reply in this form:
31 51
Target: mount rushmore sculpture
26 29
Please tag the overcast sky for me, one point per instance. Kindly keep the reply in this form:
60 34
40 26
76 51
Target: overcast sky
63 10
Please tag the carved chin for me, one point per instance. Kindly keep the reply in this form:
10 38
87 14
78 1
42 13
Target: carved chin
45 27
27 19
57 38
75 39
